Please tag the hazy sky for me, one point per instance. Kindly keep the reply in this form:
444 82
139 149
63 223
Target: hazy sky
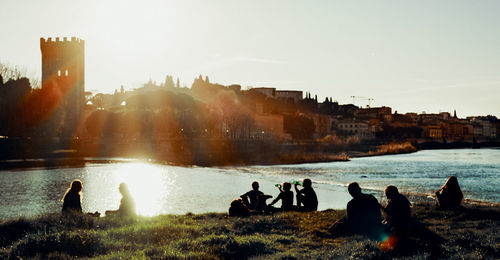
431 56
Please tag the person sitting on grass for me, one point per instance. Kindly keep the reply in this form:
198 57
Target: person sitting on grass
363 215
257 199
286 197
71 199
450 196
239 209
306 197
127 204
397 212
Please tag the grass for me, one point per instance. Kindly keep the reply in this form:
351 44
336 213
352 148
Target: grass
468 233
394 148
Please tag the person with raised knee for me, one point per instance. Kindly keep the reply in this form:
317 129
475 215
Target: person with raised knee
306 197
363 215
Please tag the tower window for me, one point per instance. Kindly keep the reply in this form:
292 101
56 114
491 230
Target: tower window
66 72
59 73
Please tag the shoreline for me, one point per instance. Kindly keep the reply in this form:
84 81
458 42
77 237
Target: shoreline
55 162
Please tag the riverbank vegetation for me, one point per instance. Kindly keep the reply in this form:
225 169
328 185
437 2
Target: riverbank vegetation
468 233
394 148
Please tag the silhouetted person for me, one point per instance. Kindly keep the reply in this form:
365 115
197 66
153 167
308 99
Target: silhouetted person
239 209
127 204
286 197
71 199
306 197
253 196
397 212
450 195
363 215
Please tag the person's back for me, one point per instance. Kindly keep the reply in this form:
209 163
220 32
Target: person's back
398 211
127 203
286 197
363 213
127 206
450 196
71 199
287 200
71 202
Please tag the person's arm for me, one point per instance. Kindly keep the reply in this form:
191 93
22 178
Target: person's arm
277 199
79 204
296 189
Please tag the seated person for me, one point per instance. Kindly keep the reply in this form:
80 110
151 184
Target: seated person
257 198
450 195
397 212
71 199
306 197
239 209
286 197
363 214
127 204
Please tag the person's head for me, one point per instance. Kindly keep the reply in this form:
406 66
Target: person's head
391 191
255 185
123 188
76 185
307 183
452 182
287 186
354 189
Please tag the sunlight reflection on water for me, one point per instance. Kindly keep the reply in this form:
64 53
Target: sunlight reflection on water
163 189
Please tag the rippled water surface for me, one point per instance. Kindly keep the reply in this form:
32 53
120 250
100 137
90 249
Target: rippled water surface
161 189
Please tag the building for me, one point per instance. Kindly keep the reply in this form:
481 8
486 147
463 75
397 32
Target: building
294 95
363 130
268 92
63 73
432 131
384 113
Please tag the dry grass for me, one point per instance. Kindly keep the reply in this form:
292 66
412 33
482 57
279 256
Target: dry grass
394 148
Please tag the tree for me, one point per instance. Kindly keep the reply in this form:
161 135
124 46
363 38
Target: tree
178 85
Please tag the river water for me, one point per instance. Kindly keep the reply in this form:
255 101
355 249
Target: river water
163 189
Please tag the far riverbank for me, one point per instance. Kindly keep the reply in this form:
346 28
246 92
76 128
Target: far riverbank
262 154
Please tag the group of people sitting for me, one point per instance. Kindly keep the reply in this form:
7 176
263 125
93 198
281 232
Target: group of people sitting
364 214
72 201
254 201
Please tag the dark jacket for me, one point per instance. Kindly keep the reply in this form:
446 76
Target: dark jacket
307 197
71 202
398 211
363 213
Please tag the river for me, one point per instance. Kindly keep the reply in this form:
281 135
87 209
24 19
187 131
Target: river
164 189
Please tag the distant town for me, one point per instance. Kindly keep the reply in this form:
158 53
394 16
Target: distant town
207 123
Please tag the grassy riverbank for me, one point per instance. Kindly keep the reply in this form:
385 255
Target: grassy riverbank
469 233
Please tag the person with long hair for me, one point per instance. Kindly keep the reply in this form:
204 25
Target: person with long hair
450 196
71 199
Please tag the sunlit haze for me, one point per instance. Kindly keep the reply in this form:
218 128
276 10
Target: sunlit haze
432 56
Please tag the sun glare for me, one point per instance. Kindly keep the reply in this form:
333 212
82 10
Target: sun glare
148 184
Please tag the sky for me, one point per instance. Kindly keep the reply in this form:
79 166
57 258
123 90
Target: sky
414 56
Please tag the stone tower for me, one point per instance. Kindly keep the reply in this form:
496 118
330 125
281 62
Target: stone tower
63 76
